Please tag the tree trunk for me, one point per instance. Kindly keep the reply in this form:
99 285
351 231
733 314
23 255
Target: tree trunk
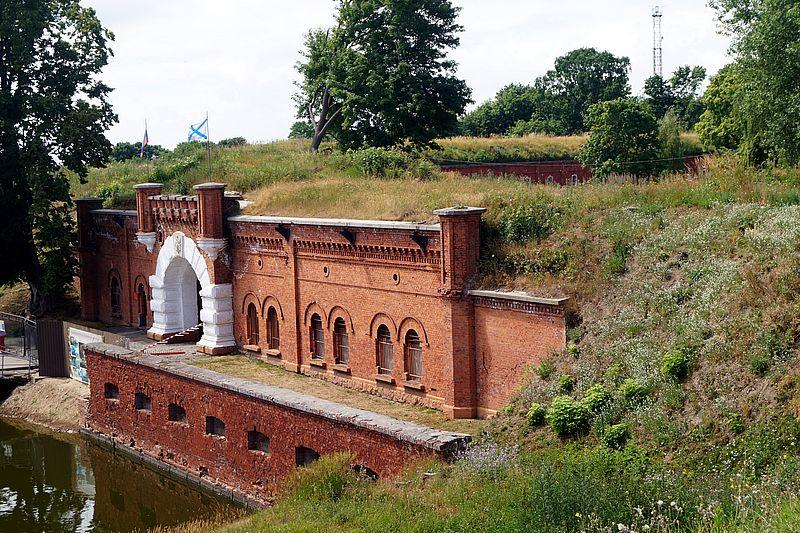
39 302
327 114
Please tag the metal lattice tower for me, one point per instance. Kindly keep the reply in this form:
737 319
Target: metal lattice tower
658 52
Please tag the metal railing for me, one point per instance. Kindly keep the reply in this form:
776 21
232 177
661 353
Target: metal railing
19 346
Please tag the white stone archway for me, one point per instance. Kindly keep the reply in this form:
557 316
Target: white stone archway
179 267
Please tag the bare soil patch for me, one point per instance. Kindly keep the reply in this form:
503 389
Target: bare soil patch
56 403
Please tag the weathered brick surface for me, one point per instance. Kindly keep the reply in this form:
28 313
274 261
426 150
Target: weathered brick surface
510 338
288 419
369 273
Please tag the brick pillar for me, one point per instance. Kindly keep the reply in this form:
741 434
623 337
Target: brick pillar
210 202
86 255
460 236
146 233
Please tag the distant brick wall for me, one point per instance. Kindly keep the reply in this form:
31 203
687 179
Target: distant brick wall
289 420
555 172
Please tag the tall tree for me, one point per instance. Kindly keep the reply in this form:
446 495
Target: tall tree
53 112
623 138
679 93
381 76
719 125
322 90
580 79
766 45
513 103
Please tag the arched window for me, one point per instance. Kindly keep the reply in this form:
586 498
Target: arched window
317 338
141 297
341 342
252 324
413 356
384 349
273 329
116 297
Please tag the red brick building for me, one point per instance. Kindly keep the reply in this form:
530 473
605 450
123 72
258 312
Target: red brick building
383 307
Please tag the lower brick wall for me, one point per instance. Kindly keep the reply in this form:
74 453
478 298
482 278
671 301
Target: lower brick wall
289 420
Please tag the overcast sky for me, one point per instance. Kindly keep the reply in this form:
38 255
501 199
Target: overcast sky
174 60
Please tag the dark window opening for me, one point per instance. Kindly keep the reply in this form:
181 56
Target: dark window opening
177 413
341 342
142 402
141 296
273 330
110 391
257 441
252 324
413 356
317 338
385 350
116 298
215 426
304 456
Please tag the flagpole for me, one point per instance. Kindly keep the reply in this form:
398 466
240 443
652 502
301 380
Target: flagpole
208 147
147 159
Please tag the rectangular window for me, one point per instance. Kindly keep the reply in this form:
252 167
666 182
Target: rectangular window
257 442
177 413
341 343
142 402
215 426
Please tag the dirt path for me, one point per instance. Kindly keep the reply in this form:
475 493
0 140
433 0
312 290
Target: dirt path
56 403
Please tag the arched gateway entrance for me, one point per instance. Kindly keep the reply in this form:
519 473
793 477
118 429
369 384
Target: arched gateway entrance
183 296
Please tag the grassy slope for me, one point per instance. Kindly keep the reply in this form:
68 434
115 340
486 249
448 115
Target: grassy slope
707 266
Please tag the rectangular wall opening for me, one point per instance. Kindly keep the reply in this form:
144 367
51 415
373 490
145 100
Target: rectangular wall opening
304 456
257 442
110 391
177 413
142 402
215 426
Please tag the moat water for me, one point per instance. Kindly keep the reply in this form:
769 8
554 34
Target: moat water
48 484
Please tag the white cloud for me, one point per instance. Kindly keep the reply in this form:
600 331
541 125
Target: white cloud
174 60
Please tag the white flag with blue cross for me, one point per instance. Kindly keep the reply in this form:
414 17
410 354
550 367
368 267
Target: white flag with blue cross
197 132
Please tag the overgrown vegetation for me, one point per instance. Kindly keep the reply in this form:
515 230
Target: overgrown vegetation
680 378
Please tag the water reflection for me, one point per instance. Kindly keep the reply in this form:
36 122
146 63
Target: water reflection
48 484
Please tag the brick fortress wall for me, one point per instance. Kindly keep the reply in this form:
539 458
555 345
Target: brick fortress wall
409 279
290 421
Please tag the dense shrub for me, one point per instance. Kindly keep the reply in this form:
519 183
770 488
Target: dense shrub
536 415
116 194
675 365
380 162
233 141
615 436
546 368
567 417
759 363
566 383
538 261
573 350
531 221
633 392
597 398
